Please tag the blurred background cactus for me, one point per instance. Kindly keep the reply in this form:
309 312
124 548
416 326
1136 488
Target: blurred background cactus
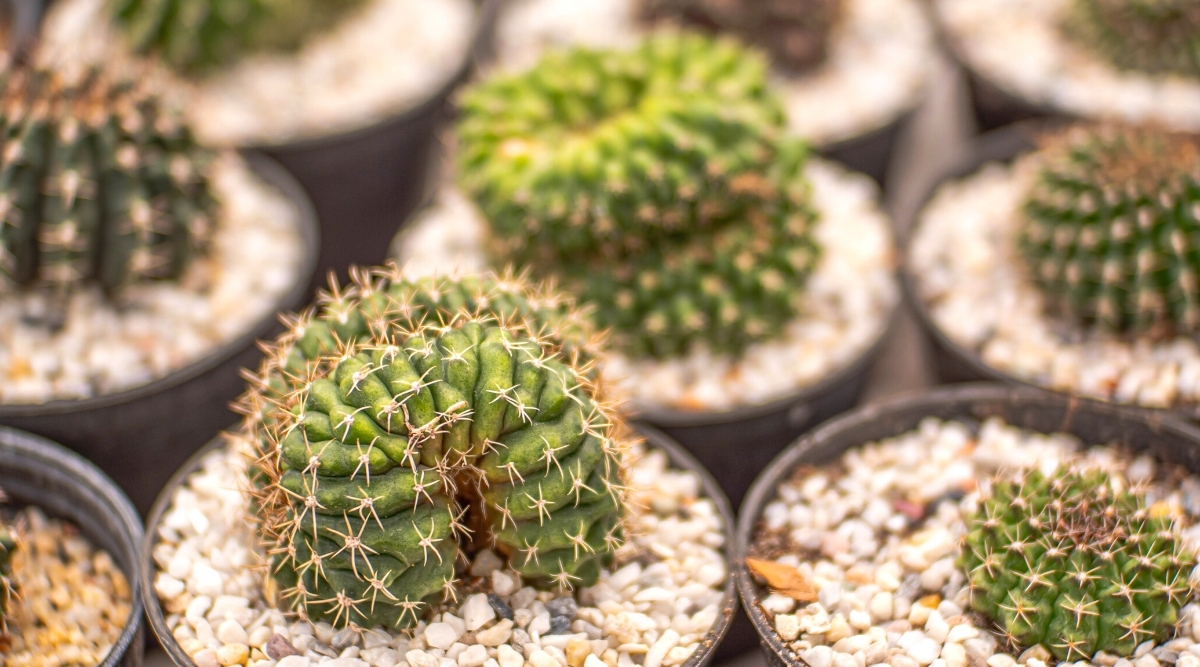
1076 562
411 419
1153 36
1112 236
99 182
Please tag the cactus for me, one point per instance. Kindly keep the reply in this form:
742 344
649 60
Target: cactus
8 547
655 184
795 32
196 36
1152 36
408 417
98 182
1075 562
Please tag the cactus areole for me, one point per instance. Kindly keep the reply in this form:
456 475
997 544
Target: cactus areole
1075 562
409 423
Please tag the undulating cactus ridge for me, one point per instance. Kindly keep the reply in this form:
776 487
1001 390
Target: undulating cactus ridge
654 183
1153 36
196 36
408 421
99 182
796 33
1076 562
1112 235
8 548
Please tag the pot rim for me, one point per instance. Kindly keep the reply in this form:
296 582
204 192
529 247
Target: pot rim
764 488
655 439
54 455
280 179
994 146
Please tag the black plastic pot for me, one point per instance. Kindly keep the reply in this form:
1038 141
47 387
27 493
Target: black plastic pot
139 436
366 183
953 362
656 440
872 152
35 471
1168 437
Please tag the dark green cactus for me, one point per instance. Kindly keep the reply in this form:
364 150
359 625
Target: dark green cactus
1152 36
408 417
98 182
1112 236
196 36
1075 562
656 184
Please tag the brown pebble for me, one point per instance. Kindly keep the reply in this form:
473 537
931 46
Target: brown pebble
931 601
278 648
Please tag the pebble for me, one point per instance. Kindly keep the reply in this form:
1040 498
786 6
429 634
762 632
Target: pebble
477 611
558 625
563 606
473 656
278 647
924 651
508 657
441 635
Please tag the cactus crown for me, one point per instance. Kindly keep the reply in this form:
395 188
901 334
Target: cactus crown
654 183
410 420
195 36
98 182
796 33
1112 230
1153 36
1075 562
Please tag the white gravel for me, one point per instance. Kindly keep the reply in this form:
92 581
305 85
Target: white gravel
154 329
1018 45
877 69
385 59
889 592
848 301
653 608
967 271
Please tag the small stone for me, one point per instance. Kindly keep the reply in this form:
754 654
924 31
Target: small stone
495 635
1038 652
881 606
860 620
563 606
473 656
902 660
344 639
955 655
508 657
500 606
324 632
925 651
919 615
1146 660
961 633
844 660
278 648
818 656
1104 659
1124 662
477 612
539 658
441 635
559 625
231 632
486 562
829 596
233 654
936 627
979 649
592 661
540 623
577 651
1185 660
788 627
778 604
1164 654
503 583
293 661
1144 648
206 658
345 662
1001 660
838 629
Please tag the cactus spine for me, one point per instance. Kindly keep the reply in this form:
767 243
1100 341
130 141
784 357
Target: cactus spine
409 417
98 182
1112 231
1152 36
1075 562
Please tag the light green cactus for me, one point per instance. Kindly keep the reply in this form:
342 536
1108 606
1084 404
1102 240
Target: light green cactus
1112 231
1075 562
1153 36
409 417
98 182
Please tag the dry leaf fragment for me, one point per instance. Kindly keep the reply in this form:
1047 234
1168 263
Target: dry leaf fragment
783 579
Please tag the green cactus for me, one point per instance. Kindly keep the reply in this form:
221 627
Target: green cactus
197 36
8 547
655 183
795 32
408 417
1076 562
98 182
1112 230
1152 36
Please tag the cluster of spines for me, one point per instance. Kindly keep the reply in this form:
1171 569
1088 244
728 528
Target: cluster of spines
98 182
1112 230
1152 36
1075 562
409 417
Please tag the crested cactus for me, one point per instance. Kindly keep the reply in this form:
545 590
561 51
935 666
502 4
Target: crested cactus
1112 230
1152 36
796 33
655 183
409 420
195 36
1075 562
98 183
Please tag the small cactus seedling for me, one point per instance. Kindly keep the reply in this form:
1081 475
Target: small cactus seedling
409 420
1112 230
195 36
796 33
1152 36
98 182
653 183
1075 562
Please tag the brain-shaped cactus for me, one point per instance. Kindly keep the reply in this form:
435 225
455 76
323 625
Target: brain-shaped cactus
1075 562
1154 36
409 421
1112 230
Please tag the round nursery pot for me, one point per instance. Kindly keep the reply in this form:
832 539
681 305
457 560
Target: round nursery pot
872 152
367 182
1094 423
140 435
678 457
37 472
